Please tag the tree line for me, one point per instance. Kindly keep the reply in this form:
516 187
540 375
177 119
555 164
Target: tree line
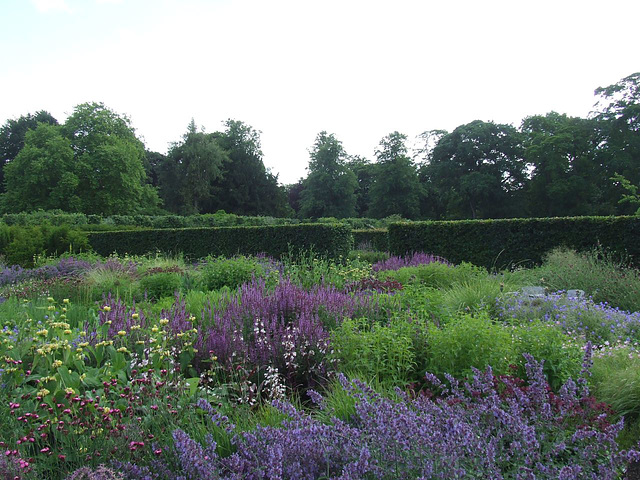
551 165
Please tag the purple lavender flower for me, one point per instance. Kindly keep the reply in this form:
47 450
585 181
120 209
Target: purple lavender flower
413 260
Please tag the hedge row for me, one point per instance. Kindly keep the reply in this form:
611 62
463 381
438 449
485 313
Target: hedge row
504 243
218 219
372 239
327 240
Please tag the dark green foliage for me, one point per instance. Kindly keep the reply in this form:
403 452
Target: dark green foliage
377 239
327 240
229 272
246 186
13 133
477 170
566 180
503 243
44 174
329 190
395 189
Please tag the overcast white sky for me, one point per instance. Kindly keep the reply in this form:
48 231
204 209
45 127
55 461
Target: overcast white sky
359 69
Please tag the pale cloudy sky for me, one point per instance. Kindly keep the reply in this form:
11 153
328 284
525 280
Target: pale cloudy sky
359 69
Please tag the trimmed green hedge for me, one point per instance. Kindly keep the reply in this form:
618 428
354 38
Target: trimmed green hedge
326 240
502 243
376 239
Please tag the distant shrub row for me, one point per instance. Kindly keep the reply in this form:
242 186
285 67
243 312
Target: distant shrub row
328 240
218 219
503 243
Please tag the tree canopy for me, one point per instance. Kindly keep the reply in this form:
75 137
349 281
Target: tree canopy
329 190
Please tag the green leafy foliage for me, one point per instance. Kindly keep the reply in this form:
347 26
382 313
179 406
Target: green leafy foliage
382 352
161 285
329 190
395 188
435 274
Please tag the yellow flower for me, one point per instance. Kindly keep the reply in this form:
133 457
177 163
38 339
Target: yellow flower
140 342
122 333
135 327
106 308
106 410
43 333
43 392
123 350
164 321
154 329
57 363
214 358
51 307
70 391
68 332
83 344
50 299
135 316
65 300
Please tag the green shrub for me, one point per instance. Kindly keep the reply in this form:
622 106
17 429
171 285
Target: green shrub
160 285
496 244
229 272
21 245
562 357
375 351
470 341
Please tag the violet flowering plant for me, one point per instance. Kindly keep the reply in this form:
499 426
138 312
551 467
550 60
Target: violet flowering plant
412 260
286 328
579 317
499 428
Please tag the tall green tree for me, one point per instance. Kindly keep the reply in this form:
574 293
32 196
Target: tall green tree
13 134
246 186
617 116
329 189
365 172
109 159
44 174
395 189
189 176
566 179
479 170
